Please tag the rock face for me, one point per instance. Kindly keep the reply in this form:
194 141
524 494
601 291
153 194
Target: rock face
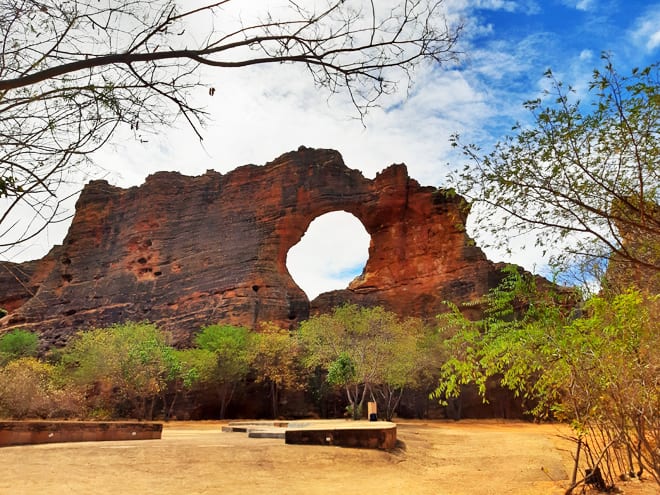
190 251
641 239
20 282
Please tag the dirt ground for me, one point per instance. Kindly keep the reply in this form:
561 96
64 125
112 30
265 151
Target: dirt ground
439 458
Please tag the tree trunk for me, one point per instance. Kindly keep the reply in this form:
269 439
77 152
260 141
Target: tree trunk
226 392
169 409
392 401
357 413
274 397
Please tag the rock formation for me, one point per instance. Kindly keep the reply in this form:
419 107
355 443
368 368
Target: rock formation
639 231
190 251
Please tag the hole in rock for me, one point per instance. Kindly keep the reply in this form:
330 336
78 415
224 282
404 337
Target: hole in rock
333 251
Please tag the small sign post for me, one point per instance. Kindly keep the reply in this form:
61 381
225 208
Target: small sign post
372 411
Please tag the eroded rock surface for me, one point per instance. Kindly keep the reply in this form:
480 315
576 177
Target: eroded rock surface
190 251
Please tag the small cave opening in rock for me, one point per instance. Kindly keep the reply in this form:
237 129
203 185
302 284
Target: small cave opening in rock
332 252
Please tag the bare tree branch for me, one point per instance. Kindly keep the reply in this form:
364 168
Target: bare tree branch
74 72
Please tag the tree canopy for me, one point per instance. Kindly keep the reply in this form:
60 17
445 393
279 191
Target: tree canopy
368 352
276 361
130 364
231 348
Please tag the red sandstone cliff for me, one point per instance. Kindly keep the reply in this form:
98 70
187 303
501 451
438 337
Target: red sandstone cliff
189 251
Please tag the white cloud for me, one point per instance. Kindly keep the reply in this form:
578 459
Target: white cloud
646 31
332 252
583 5
527 7
524 6
586 55
506 5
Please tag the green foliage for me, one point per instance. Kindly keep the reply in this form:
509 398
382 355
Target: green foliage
232 348
195 366
517 319
121 371
600 371
366 351
276 360
582 175
128 365
188 369
17 344
342 371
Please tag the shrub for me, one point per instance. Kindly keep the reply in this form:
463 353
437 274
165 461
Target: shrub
31 388
17 344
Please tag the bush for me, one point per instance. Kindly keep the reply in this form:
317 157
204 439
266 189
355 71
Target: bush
124 368
31 388
17 344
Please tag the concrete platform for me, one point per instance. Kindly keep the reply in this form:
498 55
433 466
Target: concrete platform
32 432
342 433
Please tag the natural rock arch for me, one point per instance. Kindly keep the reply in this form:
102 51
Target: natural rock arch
333 241
189 251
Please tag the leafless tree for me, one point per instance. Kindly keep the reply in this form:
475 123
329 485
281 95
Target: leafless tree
73 72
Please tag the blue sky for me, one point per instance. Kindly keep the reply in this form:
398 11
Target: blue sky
260 113
562 34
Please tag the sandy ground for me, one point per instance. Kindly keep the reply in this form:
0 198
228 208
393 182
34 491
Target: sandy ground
439 458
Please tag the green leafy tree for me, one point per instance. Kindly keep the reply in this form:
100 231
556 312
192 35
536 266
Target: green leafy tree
189 369
276 361
366 351
17 344
517 313
411 363
76 72
124 365
342 372
231 347
584 174
599 371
